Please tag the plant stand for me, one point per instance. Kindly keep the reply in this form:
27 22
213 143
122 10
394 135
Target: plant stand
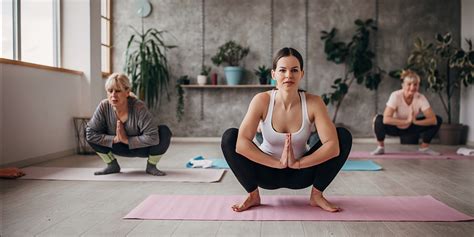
83 148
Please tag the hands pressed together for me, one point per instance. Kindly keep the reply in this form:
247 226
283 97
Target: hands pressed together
121 135
411 118
288 159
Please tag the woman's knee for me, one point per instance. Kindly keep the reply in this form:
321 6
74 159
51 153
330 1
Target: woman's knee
230 136
164 132
378 119
439 120
345 140
99 148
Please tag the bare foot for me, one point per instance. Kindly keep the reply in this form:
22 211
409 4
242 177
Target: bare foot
317 200
252 200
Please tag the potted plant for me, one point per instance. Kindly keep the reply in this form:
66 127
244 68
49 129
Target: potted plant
202 78
445 67
263 74
183 80
147 66
231 54
357 59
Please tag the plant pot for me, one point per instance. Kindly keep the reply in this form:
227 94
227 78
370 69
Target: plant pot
233 75
201 80
262 80
273 82
214 79
450 134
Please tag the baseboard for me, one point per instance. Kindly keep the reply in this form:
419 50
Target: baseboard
196 139
394 140
39 159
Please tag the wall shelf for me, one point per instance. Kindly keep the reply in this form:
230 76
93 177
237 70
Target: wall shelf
195 86
226 86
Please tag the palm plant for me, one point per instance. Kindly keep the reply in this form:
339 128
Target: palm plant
357 59
147 66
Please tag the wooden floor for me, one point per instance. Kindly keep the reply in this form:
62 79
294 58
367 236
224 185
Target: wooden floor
91 208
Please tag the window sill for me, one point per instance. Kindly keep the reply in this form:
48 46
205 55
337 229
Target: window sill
39 66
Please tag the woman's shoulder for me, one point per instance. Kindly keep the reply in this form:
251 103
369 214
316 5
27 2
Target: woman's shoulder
313 99
397 93
137 104
262 97
104 104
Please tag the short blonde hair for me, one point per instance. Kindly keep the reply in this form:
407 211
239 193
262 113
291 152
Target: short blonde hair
409 75
117 81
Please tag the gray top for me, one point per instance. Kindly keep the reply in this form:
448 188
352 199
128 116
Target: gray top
141 130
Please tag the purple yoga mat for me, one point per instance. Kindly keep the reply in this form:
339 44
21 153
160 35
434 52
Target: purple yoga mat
126 174
355 208
404 155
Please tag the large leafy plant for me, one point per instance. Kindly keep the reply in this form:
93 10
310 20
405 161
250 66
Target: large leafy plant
357 59
230 53
147 66
443 66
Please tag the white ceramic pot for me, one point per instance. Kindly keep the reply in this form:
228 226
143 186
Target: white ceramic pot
201 80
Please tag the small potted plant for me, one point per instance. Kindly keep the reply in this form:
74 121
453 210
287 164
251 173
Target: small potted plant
231 54
202 78
263 74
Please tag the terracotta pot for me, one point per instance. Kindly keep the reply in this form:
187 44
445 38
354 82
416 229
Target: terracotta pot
451 134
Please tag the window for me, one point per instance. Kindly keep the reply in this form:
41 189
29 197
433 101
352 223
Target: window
6 22
106 31
30 31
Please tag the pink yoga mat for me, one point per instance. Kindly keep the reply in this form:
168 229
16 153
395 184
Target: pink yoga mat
404 155
355 208
126 174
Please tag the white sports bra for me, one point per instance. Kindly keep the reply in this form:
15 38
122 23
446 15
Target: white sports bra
273 141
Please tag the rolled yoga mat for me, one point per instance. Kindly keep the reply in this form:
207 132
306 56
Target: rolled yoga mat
350 165
355 208
126 174
404 155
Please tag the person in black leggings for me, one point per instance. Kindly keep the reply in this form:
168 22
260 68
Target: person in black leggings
123 125
253 175
401 115
287 117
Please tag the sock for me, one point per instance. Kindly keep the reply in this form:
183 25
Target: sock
378 151
112 164
151 169
429 151
107 158
154 159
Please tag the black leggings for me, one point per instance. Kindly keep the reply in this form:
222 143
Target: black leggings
252 175
122 149
429 131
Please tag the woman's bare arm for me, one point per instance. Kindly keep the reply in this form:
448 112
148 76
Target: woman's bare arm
390 120
326 131
247 130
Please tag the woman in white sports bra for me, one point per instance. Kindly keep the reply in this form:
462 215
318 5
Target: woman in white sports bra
287 116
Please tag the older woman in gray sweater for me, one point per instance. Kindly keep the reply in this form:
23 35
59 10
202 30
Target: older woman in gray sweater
122 125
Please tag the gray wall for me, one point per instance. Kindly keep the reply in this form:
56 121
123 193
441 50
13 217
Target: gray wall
250 24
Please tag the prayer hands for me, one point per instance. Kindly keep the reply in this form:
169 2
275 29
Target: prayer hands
411 117
287 156
120 136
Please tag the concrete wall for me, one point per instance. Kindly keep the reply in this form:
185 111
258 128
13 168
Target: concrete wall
467 94
249 23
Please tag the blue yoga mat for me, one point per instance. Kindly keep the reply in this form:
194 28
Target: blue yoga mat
361 165
350 165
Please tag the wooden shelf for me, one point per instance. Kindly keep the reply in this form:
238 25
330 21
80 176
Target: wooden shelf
226 86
